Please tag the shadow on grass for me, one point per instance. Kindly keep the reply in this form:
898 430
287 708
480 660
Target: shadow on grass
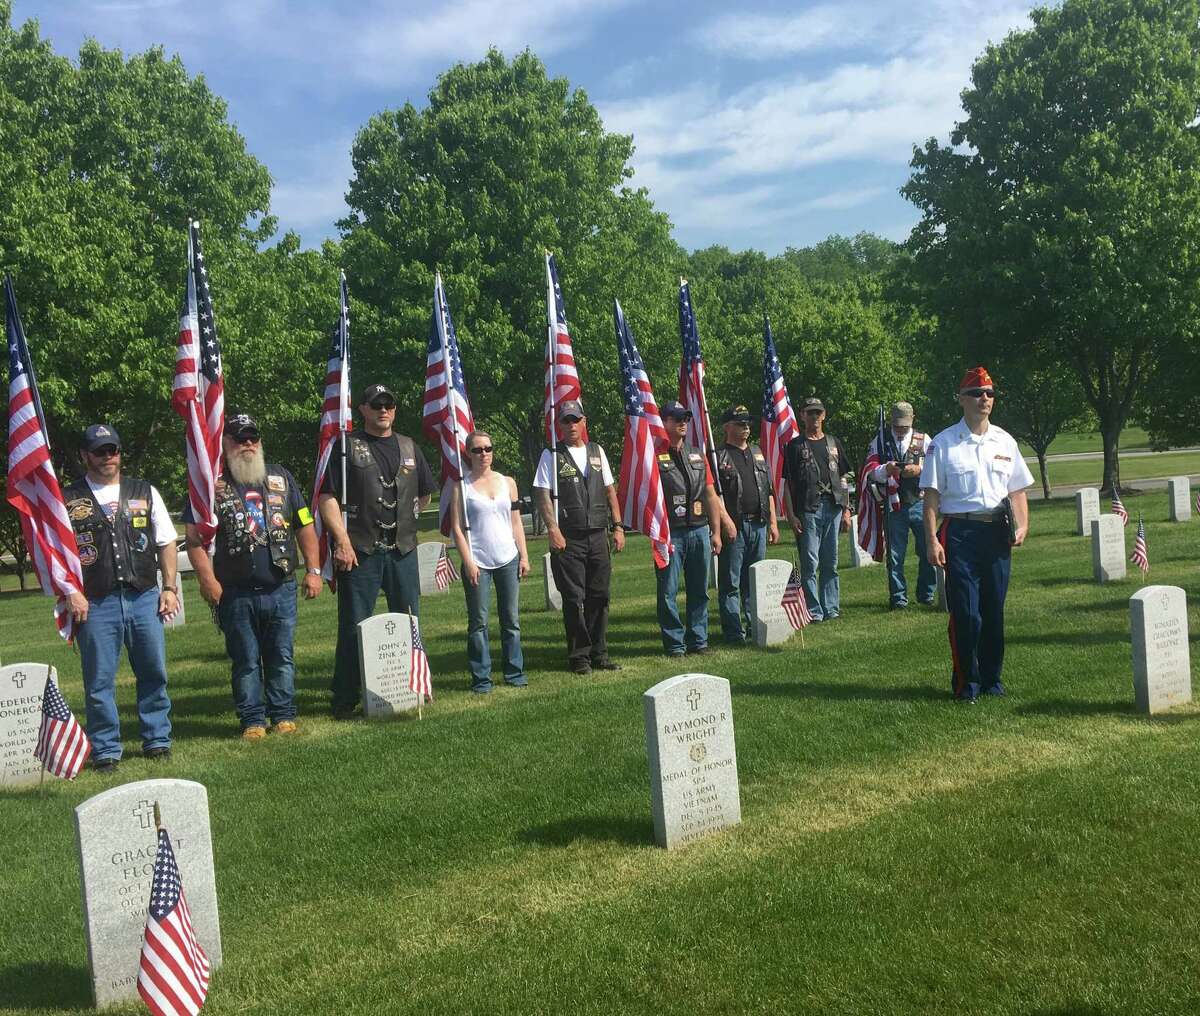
1076 707
826 690
45 986
633 832
1077 638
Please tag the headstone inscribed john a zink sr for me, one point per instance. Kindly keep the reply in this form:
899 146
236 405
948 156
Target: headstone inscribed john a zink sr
768 579
1087 510
1162 671
385 652
1108 548
428 555
21 687
117 842
553 596
693 761
1179 504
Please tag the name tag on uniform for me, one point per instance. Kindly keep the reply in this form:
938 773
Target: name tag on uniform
1003 458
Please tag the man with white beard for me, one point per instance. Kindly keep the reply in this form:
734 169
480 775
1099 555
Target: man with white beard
261 516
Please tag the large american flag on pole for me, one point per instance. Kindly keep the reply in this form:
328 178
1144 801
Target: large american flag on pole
173 974
640 490
779 423
62 746
198 393
691 382
446 413
335 420
870 512
562 378
32 486
420 677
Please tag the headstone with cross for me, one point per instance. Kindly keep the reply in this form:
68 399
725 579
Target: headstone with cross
21 686
385 655
117 843
693 760
1162 670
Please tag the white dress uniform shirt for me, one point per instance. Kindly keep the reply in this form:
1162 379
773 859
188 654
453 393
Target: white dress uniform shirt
973 472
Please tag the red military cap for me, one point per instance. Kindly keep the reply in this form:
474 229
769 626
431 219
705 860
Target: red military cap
976 377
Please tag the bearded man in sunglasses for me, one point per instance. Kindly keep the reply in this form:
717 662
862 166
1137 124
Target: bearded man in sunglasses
975 477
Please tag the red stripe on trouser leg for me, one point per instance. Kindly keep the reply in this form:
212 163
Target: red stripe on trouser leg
958 681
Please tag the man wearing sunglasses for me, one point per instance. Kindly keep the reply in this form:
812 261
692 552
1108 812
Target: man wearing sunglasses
125 539
974 476
388 483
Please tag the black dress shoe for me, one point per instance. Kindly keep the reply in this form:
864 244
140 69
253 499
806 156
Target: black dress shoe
605 665
581 668
105 765
343 712
157 754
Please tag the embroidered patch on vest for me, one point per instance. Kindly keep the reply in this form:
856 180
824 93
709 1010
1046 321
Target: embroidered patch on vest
276 483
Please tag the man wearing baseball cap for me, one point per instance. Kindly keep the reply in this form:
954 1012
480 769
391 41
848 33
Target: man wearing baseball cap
125 539
388 483
975 477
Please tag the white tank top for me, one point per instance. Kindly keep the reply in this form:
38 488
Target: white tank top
491 535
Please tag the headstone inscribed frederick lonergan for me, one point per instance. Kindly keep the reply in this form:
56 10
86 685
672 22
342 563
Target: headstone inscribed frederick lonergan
385 653
1179 503
1162 671
428 555
1108 548
117 842
21 687
768 579
693 760
859 558
180 619
1087 509
553 596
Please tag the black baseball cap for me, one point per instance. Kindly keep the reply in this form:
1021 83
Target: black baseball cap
675 411
372 392
571 409
736 414
812 402
100 435
241 423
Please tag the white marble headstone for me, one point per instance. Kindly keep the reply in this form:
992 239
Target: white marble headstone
1179 499
549 587
859 558
768 578
180 619
385 655
117 843
1087 509
1108 548
428 555
21 687
693 760
1162 671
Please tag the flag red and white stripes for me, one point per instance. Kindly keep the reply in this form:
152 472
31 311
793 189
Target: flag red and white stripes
1140 555
198 392
420 678
62 746
795 606
174 971
1119 509
691 377
444 571
779 423
32 485
336 420
562 377
870 512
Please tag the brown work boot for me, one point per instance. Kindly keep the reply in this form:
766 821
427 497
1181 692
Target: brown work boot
284 727
254 733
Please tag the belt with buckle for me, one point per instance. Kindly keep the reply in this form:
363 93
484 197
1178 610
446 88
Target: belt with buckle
992 516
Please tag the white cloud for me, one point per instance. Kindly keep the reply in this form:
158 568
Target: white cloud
840 200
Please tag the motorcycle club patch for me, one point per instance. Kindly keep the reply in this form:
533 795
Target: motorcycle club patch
276 483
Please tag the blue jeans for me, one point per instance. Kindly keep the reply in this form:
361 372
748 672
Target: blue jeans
124 617
508 595
818 546
691 551
733 578
898 526
259 627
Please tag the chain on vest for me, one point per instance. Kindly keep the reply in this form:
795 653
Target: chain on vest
380 510
731 482
121 551
236 539
684 488
582 500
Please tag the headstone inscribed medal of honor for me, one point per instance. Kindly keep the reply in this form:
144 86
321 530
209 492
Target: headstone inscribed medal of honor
428 555
1179 505
385 656
21 687
768 579
1087 509
117 844
693 761
180 619
1162 671
859 558
1108 548
553 596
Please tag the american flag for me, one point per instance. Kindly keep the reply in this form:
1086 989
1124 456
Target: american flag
173 975
198 393
640 489
779 423
1119 510
870 513
420 678
62 746
444 572
335 419
1198 502
1140 557
446 414
562 378
32 486
793 602
691 379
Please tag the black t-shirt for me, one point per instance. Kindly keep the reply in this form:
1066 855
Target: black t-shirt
748 504
386 451
819 449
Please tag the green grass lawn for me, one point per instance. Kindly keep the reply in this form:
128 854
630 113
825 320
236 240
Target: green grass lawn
899 853
1132 469
1132 439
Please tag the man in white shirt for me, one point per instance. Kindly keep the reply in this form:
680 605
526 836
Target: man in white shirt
975 477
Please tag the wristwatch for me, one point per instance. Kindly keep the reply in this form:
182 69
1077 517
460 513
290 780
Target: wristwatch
312 571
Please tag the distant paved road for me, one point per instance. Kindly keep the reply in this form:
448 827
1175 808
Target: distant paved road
1148 483
1082 456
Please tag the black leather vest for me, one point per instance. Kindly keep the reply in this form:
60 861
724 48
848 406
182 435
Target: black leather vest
910 486
806 487
380 510
234 542
684 488
731 483
582 500
121 551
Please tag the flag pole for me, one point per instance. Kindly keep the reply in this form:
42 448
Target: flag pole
451 409
344 394
710 450
552 359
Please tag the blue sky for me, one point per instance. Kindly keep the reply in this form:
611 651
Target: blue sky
758 124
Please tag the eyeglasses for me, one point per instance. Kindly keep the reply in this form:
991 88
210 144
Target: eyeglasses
106 452
979 393
383 404
481 450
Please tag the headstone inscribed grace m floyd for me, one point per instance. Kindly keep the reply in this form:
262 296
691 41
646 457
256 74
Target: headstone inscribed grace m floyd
385 656
1108 548
117 843
428 555
1162 672
768 579
1179 505
693 760
21 687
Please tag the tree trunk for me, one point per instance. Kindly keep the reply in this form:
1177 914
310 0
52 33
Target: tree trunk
1041 457
1110 432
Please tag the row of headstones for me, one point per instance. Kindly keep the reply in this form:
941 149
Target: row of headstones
1179 504
1109 561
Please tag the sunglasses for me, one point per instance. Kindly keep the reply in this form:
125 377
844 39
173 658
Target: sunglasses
246 439
481 450
977 393
383 404
106 452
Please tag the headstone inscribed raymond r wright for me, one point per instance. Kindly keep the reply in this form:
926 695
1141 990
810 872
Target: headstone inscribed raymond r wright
21 687
385 653
1162 672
